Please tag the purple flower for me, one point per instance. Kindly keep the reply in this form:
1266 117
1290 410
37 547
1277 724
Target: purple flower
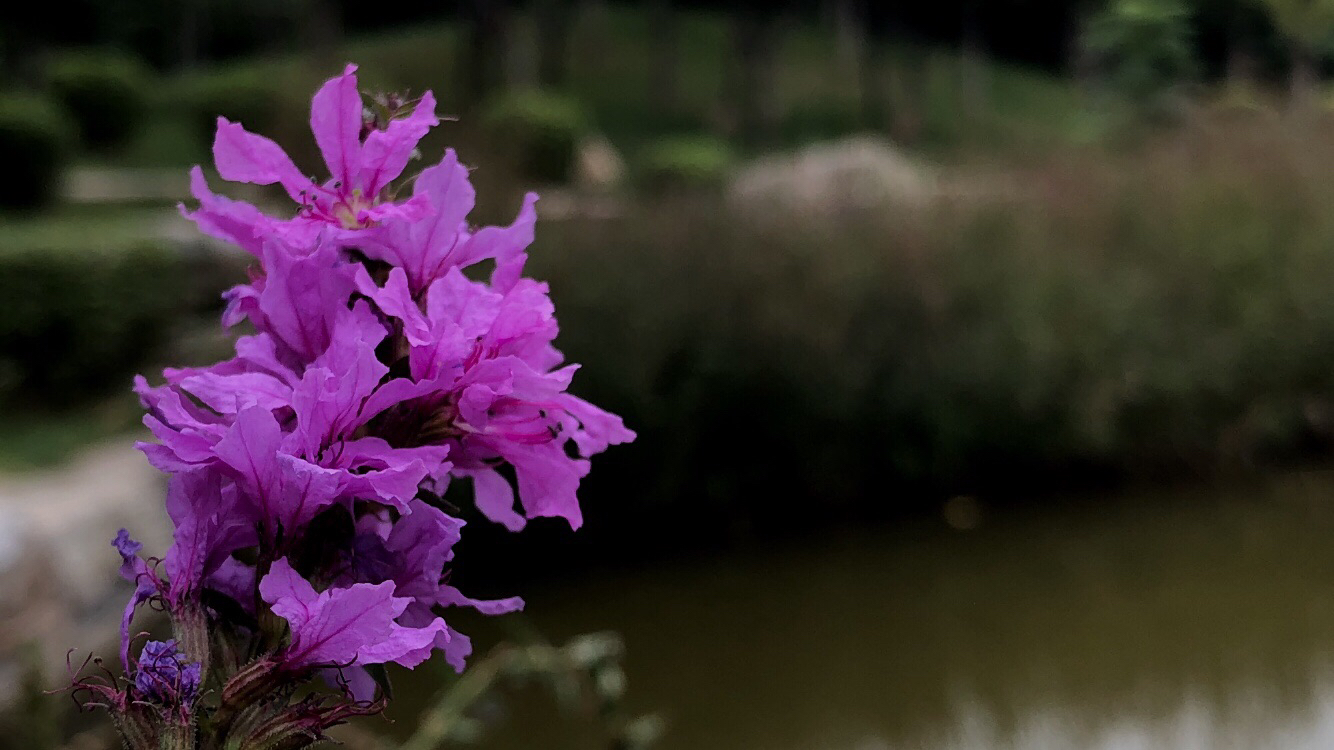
426 249
164 676
203 507
298 300
304 466
412 553
353 198
488 387
134 569
351 626
287 471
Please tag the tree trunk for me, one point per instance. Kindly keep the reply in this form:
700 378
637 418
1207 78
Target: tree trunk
849 19
871 63
484 52
665 56
188 50
1304 77
752 95
555 19
973 69
322 30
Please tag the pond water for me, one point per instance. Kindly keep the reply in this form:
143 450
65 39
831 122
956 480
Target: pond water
1200 619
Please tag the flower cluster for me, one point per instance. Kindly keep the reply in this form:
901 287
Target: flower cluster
306 471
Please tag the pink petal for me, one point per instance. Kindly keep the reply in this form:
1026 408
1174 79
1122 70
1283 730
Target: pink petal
335 119
242 156
386 152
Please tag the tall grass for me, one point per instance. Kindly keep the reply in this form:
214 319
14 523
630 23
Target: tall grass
1091 317
814 90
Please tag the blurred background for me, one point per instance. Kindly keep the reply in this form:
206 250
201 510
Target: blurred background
981 352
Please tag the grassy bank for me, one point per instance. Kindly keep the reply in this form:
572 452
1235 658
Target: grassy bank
91 294
1161 314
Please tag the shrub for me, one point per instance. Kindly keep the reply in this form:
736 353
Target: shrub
1143 48
1095 317
80 320
541 129
34 147
685 163
819 120
106 94
254 98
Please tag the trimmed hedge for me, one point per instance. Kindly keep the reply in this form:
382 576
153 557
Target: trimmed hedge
79 321
685 163
34 147
540 129
255 98
106 93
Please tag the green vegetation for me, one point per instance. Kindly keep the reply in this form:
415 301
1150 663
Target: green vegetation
684 163
540 129
34 147
42 438
1089 308
1145 49
88 297
253 98
1086 317
815 95
106 94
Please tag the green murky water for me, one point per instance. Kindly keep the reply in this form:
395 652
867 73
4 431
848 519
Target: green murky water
1202 619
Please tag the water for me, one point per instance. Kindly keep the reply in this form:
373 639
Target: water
1200 619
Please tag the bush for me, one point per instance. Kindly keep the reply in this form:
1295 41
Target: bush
107 94
540 129
34 147
79 320
254 98
1144 50
812 121
686 163
1164 313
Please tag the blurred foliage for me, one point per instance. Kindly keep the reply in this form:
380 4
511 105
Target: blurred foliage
818 119
585 674
815 96
684 163
1144 49
34 147
1308 24
251 97
1164 311
540 129
106 93
33 722
88 298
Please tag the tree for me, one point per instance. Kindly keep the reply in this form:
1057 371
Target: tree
754 39
861 49
1308 27
555 20
665 56
487 23
1143 50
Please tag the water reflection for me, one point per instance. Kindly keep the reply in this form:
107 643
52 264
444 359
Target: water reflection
1200 619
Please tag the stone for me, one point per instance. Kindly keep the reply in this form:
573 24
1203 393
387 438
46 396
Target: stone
598 165
59 582
826 180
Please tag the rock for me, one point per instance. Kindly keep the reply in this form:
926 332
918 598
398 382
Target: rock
59 585
826 180
598 165
123 185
